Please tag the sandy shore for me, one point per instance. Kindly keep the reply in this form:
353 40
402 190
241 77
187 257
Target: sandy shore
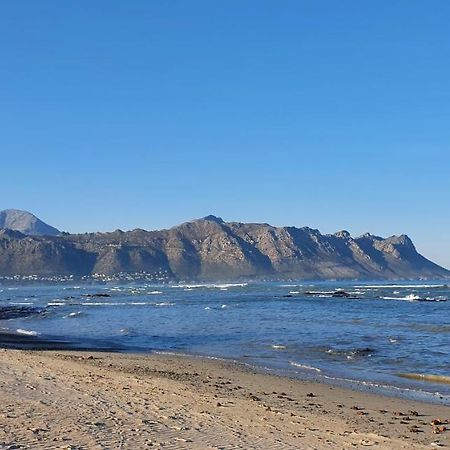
73 400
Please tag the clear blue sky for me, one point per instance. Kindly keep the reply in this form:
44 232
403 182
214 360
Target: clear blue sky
332 114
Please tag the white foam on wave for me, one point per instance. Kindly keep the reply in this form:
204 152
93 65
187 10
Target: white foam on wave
27 332
210 286
21 303
73 314
304 366
278 346
415 298
395 298
125 304
56 304
403 286
103 304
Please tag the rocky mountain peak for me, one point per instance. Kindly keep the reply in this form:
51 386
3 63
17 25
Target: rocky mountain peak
343 234
26 223
212 218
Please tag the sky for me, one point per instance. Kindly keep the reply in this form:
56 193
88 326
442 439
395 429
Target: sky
145 114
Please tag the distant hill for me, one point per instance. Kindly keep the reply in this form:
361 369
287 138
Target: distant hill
211 249
26 223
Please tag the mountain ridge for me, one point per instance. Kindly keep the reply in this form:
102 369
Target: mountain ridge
210 249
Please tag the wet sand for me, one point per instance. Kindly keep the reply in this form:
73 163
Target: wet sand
86 400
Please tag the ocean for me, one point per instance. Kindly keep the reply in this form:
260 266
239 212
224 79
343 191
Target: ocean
375 337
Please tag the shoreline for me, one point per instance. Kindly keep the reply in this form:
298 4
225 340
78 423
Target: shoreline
21 341
119 400
355 385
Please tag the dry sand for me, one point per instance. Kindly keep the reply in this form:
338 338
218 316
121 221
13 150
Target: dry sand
114 401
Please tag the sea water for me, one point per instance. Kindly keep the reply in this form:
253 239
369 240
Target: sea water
380 339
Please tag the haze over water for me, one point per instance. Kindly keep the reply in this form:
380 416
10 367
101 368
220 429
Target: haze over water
371 339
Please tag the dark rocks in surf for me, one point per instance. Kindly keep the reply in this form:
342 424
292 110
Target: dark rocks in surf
16 312
100 294
336 294
351 353
363 351
341 294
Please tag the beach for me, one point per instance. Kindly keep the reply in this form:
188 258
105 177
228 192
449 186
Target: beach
88 400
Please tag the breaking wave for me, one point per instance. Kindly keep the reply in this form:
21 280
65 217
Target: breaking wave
305 366
27 332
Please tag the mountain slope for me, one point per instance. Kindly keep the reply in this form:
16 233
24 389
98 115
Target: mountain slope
26 223
211 249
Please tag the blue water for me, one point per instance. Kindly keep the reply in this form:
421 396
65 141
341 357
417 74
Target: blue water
366 342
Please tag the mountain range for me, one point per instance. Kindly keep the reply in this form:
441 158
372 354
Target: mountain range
208 249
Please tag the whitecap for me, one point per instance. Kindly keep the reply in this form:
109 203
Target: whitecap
103 304
210 286
228 285
410 298
27 332
73 314
402 286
